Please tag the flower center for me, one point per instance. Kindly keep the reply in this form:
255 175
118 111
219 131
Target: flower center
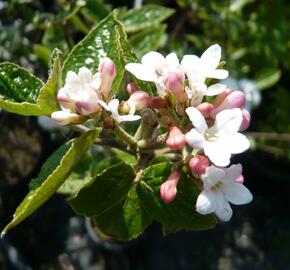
211 137
217 186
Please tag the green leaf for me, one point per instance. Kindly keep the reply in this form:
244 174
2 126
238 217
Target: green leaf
18 90
267 77
150 15
95 10
53 173
179 214
148 40
103 191
99 43
25 94
42 53
126 220
127 55
47 99
81 174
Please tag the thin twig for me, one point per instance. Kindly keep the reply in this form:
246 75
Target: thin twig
270 136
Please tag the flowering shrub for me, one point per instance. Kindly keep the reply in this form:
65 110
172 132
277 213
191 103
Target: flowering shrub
175 168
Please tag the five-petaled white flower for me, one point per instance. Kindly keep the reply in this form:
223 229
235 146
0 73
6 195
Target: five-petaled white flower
220 140
220 188
154 68
113 107
197 69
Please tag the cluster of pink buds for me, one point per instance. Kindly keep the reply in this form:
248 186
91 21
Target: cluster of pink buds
206 133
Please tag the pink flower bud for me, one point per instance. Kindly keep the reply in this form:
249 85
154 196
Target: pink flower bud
64 118
246 120
157 102
131 88
220 98
240 179
168 189
198 164
174 81
65 102
234 100
107 69
141 99
205 108
176 139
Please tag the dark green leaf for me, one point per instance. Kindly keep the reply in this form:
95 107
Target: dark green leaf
19 90
103 191
53 173
99 43
138 19
148 40
126 220
179 214
127 55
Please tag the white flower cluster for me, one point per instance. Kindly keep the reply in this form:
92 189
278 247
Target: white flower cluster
85 94
214 135
204 121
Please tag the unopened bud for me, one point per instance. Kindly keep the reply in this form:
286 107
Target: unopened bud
234 100
198 164
174 81
65 118
157 102
205 108
124 107
65 102
141 99
108 123
246 120
176 139
220 97
240 179
131 88
168 189
107 69
86 108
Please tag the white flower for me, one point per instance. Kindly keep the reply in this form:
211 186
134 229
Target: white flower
220 188
80 92
113 106
154 67
198 69
222 139
198 90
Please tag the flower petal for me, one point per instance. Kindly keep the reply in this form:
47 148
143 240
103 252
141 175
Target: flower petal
104 105
215 89
211 57
172 60
153 60
195 139
237 193
212 176
228 121
126 118
232 173
197 119
236 143
217 153
190 63
85 75
223 209
142 72
219 74
205 202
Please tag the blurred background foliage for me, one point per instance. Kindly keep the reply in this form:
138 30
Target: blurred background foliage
255 39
